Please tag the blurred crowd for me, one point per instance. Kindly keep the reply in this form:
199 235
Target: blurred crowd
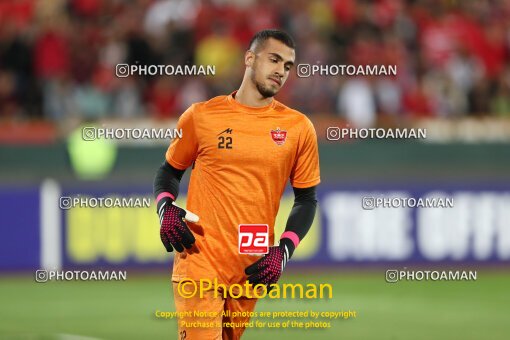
58 57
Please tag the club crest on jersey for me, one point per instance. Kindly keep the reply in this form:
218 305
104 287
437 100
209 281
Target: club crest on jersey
279 136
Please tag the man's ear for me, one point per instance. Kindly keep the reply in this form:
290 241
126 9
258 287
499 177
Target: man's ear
249 58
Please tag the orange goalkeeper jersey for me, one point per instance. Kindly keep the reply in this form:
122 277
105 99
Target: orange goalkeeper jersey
242 158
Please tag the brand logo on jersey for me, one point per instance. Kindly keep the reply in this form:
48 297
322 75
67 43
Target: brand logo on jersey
229 131
279 136
253 239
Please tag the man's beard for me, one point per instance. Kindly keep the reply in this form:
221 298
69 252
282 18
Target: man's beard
265 91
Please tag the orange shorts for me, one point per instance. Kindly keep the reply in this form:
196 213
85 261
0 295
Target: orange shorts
211 317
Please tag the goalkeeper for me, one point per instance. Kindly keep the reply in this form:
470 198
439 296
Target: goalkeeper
242 149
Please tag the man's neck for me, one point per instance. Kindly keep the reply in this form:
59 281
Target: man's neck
251 97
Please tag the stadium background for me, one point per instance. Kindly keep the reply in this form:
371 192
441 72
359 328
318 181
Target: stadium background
57 74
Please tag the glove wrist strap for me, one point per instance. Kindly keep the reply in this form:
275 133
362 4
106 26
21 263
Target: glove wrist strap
163 195
292 236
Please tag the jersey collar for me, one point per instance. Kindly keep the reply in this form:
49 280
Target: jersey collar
249 109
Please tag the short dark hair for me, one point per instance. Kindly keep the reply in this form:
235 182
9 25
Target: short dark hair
262 36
